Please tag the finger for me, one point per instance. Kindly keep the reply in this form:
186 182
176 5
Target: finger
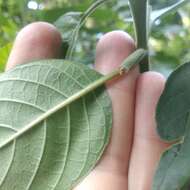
112 49
147 146
36 41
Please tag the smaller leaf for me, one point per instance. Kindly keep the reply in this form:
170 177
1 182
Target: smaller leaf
173 125
156 14
67 23
70 23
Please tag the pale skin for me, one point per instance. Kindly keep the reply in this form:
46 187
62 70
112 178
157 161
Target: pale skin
130 159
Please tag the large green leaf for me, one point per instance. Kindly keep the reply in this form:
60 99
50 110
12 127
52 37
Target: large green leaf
55 121
65 146
173 121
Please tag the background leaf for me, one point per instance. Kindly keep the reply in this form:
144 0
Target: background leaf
156 14
72 29
173 120
4 54
60 151
67 24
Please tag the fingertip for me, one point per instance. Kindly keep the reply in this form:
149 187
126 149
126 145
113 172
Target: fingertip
117 37
112 49
42 30
150 83
35 41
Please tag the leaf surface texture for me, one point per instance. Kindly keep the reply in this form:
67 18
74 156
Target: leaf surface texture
60 151
173 121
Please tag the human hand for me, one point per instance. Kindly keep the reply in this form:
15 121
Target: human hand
130 159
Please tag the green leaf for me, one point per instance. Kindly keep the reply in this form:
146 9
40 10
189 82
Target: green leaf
156 14
65 146
173 120
67 23
70 24
68 27
54 123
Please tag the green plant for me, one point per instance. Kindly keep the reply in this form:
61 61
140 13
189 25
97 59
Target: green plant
44 133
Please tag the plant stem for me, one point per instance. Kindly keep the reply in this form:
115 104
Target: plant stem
140 13
133 59
85 15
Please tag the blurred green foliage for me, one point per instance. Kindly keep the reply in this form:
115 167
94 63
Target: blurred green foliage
170 36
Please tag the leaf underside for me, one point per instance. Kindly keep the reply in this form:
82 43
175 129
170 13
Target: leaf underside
63 149
173 120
